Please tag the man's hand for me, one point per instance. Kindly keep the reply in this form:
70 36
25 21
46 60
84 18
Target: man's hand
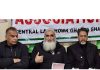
38 59
16 60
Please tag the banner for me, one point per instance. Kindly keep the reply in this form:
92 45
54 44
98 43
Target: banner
32 30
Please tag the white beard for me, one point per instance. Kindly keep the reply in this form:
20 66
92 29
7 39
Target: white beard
83 43
49 46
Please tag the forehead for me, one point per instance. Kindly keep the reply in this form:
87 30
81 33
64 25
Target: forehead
82 33
12 32
49 32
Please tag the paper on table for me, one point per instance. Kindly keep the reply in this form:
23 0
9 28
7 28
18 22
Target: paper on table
58 65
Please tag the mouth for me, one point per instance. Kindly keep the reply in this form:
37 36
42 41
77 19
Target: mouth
14 42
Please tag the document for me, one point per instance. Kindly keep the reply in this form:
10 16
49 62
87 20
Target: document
58 65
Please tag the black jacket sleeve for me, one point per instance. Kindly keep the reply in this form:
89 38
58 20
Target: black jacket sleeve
69 59
64 53
34 52
24 59
4 62
97 59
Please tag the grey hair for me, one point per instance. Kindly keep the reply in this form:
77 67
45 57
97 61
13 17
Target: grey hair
49 29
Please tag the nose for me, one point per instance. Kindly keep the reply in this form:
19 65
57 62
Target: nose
83 37
15 37
49 38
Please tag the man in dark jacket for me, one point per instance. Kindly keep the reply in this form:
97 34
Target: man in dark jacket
48 52
13 55
82 55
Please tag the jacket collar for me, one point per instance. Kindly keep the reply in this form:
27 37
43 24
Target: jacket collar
5 43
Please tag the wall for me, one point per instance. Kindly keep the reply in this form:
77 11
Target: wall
4 24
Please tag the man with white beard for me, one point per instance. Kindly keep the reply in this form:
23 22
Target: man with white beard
82 54
48 52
